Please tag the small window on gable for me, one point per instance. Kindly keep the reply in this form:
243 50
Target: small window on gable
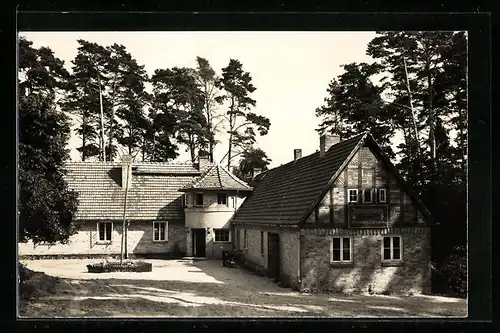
367 195
222 199
353 195
382 195
198 199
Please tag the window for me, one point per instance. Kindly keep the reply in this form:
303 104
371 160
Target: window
222 199
198 199
367 195
391 248
381 195
221 235
341 249
262 243
184 200
353 195
245 239
104 229
160 231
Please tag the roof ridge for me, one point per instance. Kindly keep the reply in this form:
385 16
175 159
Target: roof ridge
234 177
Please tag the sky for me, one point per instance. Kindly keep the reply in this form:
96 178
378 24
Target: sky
291 71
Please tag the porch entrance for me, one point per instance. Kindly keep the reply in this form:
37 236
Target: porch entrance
199 242
273 256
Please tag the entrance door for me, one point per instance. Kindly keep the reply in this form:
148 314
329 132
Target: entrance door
199 242
273 256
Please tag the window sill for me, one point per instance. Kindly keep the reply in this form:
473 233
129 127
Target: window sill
392 263
340 264
104 242
222 242
160 241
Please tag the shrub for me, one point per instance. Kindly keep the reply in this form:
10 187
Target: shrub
454 271
127 266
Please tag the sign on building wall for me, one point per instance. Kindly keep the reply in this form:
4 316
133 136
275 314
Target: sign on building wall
368 216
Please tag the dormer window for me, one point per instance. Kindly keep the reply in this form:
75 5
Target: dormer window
222 199
198 199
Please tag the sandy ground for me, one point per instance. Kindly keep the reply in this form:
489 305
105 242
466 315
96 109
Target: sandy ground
182 288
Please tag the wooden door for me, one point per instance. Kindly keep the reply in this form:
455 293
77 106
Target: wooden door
273 256
199 242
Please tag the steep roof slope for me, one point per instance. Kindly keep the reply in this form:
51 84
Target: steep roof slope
217 178
285 195
154 191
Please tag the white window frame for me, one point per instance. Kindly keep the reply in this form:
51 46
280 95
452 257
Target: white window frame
227 199
349 195
220 229
165 232
202 199
391 247
371 195
341 250
105 241
382 190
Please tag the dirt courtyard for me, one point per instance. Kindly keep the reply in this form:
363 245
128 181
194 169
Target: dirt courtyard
185 288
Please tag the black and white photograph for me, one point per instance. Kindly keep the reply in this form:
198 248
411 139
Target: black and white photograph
242 174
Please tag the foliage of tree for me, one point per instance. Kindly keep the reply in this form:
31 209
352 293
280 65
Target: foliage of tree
422 95
206 79
254 158
46 206
236 87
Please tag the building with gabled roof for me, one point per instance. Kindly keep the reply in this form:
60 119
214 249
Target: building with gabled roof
154 200
341 219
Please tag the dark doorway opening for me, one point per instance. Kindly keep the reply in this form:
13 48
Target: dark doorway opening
199 242
273 256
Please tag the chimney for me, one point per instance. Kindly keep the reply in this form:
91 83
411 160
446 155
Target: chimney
297 153
326 141
256 171
203 161
126 171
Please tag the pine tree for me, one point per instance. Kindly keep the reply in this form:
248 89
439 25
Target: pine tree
46 205
236 87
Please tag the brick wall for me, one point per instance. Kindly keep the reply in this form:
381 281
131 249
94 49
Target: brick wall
366 271
289 247
139 241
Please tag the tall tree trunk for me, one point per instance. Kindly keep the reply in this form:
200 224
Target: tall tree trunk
103 143
84 137
112 120
432 139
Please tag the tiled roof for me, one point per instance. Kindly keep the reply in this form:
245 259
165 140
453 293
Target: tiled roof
286 194
153 192
217 178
